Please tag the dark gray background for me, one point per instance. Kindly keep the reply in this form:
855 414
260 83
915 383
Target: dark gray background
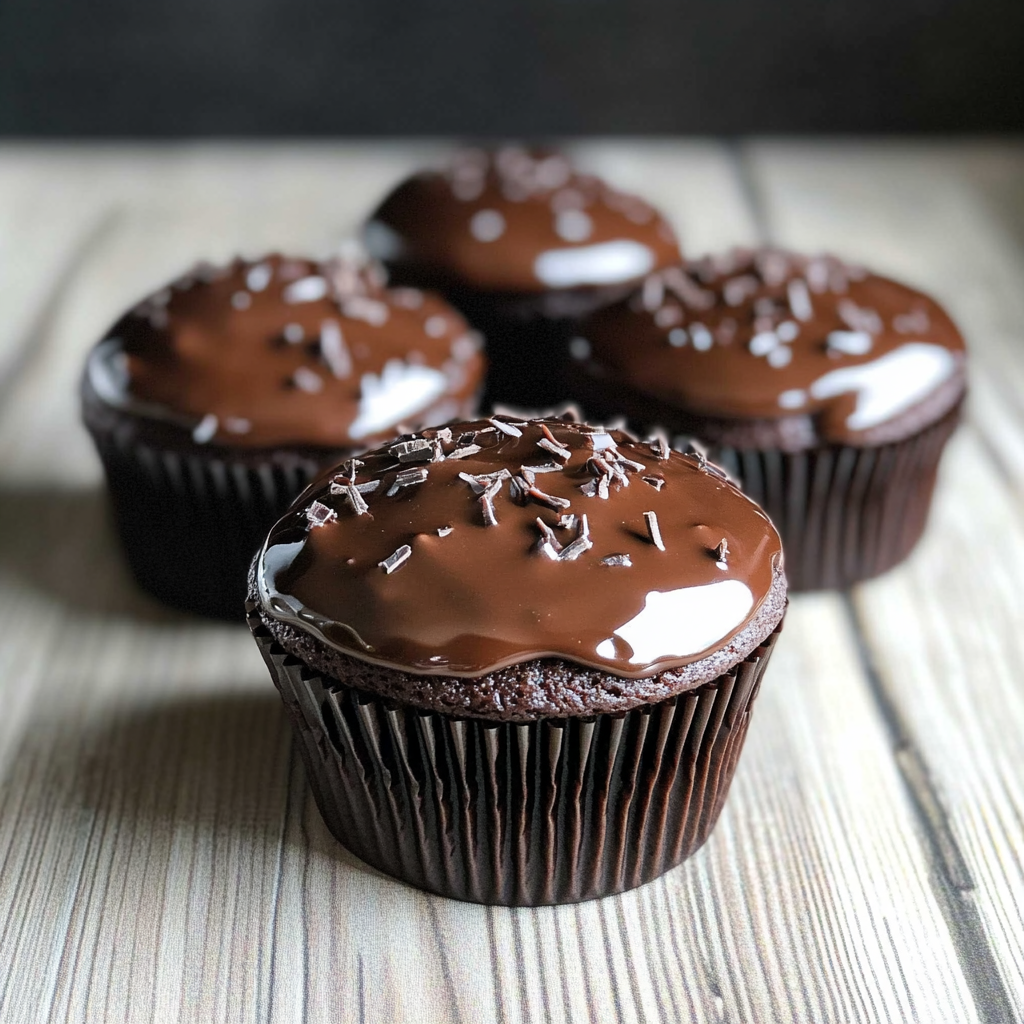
508 67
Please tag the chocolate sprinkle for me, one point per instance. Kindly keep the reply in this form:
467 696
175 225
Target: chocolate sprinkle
466 450
653 530
660 447
396 560
487 504
721 553
548 544
357 501
623 560
656 482
506 428
551 500
319 514
417 450
406 478
443 531
579 545
555 449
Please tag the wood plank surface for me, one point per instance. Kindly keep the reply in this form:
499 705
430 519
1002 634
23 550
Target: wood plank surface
160 856
943 632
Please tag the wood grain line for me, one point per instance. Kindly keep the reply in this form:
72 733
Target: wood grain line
454 1011
563 966
949 875
266 1013
899 969
492 942
588 988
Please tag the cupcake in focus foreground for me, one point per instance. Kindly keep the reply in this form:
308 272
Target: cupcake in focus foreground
523 244
520 656
829 391
217 399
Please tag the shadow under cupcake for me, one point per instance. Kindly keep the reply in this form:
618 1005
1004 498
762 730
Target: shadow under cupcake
520 656
215 401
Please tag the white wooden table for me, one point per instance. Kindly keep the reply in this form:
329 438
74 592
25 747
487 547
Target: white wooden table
160 856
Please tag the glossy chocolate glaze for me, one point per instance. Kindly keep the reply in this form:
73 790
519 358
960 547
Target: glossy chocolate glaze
442 556
795 351
287 352
520 222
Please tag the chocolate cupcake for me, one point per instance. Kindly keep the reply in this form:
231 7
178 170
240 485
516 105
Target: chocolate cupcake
216 400
524 245
520 657
829 391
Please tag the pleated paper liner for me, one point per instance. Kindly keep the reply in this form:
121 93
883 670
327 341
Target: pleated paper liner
845 514
190 524
555 811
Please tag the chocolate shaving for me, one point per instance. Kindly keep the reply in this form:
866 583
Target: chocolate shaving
551 500
463 452
478 487
444 434
654 530
555 448
349 469
567 521
579 545
417 450
657 482
545 467
546 431
721 553
548 543
506 428
406 478
356 500
396 560
487 504
341 487
629 463
660 448
443 531
590 488
319 514
617 560
619 473
693 452
601 440
494 487
602 487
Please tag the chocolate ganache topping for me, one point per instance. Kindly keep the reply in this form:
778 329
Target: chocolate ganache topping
518 221
458 551
842 355
289 351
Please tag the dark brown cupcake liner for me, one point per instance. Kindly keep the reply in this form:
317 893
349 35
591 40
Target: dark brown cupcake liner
553 811
845 514
191 523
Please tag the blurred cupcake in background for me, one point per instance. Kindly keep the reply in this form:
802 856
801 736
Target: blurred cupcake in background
523 244
829 391
214 402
